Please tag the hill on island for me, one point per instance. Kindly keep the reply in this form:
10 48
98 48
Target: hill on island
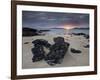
29 32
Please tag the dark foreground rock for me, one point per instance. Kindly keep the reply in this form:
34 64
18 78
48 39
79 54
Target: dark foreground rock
75 51
38 53
57 51
41 42
59 40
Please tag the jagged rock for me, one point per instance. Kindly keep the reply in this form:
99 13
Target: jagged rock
58 40
41 42
38 53
75 51
57 51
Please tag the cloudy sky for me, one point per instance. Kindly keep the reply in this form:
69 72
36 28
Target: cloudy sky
34 19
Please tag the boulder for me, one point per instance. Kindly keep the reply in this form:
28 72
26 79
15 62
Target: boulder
58 40
41 42
57 51
38 53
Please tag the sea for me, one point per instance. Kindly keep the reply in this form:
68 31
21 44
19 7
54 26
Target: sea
66 31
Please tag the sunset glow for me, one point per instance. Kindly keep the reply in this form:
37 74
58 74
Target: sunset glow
68 27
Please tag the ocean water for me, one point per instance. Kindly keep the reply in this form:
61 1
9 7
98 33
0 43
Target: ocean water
65 32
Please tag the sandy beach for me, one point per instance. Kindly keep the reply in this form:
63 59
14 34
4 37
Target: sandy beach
70 59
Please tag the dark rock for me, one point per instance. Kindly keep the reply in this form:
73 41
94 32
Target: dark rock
75 51
58 40
38 53
41 42
78 34
87 46
86 36
83 34
29 32
43 31
26 42
57 52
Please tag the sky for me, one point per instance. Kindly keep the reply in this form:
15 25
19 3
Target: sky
39 20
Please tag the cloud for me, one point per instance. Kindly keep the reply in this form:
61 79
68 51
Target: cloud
49 19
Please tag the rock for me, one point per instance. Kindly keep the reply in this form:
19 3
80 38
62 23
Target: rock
83 34
41 42
75 51
38 53
78 34
87 46
43 31
26 42
29 32
57 51
59 40
86 36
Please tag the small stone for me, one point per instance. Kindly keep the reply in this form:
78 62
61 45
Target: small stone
26 42
75 51
86 36
87 46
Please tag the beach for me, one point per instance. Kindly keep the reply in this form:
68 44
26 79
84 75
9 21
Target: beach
70 59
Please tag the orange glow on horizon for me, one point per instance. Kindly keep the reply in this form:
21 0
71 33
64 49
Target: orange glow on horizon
68 27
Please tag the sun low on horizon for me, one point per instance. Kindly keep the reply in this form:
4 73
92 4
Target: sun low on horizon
68 27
